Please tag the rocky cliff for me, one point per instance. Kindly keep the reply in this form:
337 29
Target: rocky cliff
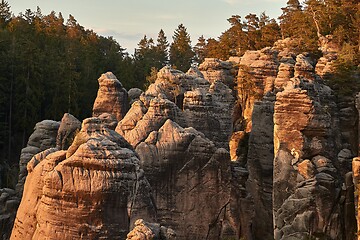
254 148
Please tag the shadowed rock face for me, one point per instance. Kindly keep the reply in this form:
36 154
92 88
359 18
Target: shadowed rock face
111 97
95 189
43 137
68 128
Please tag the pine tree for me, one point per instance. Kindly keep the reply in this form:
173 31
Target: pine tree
269 30
295 23
181 53
233 41
5 13
251 25
162 55
144 58
200 49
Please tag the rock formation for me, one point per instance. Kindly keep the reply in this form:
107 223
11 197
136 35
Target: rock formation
134 94
111 97
146 231
9 203
186 170
188 174
307 185
272 158
69 126
257 73
43 137
214 70
95 189
187 99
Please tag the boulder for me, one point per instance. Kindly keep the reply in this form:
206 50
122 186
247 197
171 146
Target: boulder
150 231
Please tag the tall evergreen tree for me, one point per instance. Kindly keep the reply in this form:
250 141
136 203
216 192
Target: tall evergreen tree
144 58
5 13
200 49
181 53
162 55
295 23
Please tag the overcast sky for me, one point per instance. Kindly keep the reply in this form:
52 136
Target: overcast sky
129 20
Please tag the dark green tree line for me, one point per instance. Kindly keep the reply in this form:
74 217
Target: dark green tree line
49 66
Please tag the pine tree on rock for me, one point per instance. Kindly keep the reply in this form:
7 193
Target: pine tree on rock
181 53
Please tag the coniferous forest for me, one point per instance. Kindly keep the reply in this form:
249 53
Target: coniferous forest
49 64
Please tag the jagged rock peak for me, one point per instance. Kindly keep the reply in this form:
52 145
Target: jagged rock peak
111 98
188 100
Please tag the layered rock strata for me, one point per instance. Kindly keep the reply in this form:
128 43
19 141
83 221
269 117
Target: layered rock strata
257 73
111 98
95 189
306 185
214 70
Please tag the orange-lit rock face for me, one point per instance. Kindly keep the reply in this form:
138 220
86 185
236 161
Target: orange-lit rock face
111 97
306 165
356 178
95 191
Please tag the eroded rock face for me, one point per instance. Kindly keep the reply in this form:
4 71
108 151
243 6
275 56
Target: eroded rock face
189 100
9 202
257 73
260 156
95 189
213 107
69 126
43 137
111 97
154 231
188 174
214 69
304 124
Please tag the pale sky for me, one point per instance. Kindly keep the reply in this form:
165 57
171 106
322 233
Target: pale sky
129 20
